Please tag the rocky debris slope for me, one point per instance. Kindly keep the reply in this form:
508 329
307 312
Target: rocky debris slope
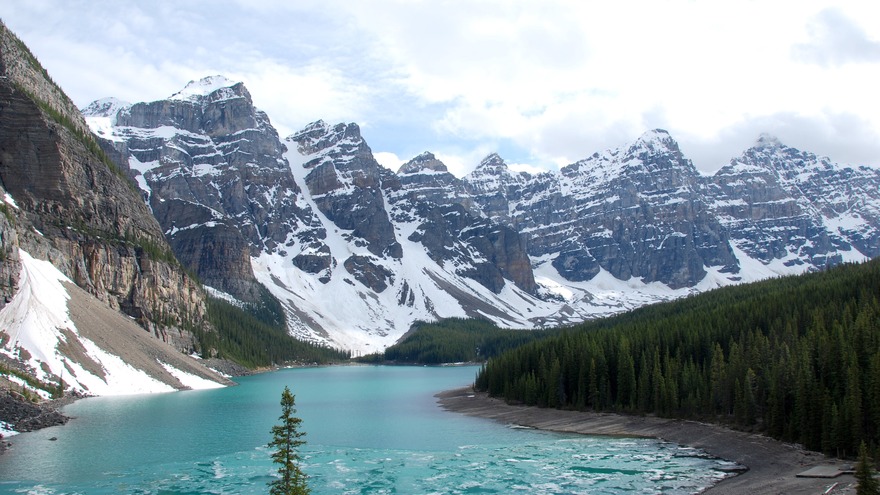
22 415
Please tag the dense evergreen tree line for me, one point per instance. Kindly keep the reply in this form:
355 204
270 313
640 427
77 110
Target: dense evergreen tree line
797 358
257 336
453 340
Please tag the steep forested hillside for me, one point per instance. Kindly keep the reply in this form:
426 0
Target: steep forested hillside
797 358
256 336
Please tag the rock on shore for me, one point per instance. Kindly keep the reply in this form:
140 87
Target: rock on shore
22 415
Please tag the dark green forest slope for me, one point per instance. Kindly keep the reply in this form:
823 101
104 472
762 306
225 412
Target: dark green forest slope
256 336
797 358
454 340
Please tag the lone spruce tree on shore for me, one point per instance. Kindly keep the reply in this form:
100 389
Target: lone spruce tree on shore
286 442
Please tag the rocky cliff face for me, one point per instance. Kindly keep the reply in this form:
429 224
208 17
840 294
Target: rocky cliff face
345 182
75 209
211 166
454 230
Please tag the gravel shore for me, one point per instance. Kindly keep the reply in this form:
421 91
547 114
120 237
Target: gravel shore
772 466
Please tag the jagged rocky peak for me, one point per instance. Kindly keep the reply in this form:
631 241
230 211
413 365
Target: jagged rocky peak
490 177
345 181
214 106
772 155
657 138
654 159
101 117
215 176
494 163
340 148
657 152
656 142
766 146
425 162
320 137
314 131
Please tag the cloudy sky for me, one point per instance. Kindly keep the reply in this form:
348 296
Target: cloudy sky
542 83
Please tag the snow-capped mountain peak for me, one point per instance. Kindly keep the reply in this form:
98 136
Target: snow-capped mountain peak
654 142
105 107
340 139
655 136
492 161
202 87
101 115
491 176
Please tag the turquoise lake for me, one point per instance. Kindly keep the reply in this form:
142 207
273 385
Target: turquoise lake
370 430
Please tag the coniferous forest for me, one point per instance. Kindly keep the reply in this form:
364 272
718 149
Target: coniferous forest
256 336
454 340
797 358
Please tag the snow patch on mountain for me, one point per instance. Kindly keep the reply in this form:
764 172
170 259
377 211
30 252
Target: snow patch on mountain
203 87
101 114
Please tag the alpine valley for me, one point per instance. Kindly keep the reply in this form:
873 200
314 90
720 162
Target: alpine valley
126 202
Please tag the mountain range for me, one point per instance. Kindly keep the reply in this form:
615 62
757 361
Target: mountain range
356 253
120 217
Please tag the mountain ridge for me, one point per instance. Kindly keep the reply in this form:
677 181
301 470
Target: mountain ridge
618 229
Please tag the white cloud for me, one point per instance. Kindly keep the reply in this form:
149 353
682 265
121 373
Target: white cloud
461 161
549 82
388 160
566 79
525 167
836 39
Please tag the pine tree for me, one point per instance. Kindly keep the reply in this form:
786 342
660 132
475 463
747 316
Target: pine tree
286 439
865 474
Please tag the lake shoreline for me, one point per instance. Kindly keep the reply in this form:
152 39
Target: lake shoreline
16 411
772 465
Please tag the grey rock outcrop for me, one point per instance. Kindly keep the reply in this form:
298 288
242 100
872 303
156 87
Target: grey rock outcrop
454 230
345 181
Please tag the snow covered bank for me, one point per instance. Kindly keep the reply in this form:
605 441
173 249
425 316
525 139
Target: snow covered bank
41 333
